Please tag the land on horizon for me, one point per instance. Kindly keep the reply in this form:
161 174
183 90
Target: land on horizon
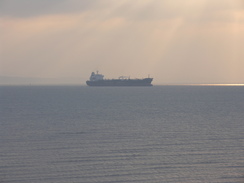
15 80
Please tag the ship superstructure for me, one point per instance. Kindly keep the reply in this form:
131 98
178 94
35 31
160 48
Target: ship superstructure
97 79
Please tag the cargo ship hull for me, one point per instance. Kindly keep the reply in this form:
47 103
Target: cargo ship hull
119 82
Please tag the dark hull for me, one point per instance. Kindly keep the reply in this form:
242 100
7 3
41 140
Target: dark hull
119 82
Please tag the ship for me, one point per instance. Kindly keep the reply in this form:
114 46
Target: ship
97 79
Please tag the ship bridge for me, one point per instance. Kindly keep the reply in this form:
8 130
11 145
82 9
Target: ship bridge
96 77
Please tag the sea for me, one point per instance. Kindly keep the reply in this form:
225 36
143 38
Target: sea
159 134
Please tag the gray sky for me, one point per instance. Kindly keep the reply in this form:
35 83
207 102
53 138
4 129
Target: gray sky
175 41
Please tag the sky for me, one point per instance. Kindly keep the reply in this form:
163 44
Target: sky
175 41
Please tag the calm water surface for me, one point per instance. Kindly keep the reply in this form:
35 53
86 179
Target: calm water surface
78 134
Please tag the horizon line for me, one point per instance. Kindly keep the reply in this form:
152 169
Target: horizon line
83 84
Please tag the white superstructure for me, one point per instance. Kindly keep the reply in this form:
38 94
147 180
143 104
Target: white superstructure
96 77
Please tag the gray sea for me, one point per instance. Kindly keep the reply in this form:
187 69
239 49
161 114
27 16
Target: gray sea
79 134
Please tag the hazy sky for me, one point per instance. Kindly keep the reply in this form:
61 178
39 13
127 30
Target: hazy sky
175 41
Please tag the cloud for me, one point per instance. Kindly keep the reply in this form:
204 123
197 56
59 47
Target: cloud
32 8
